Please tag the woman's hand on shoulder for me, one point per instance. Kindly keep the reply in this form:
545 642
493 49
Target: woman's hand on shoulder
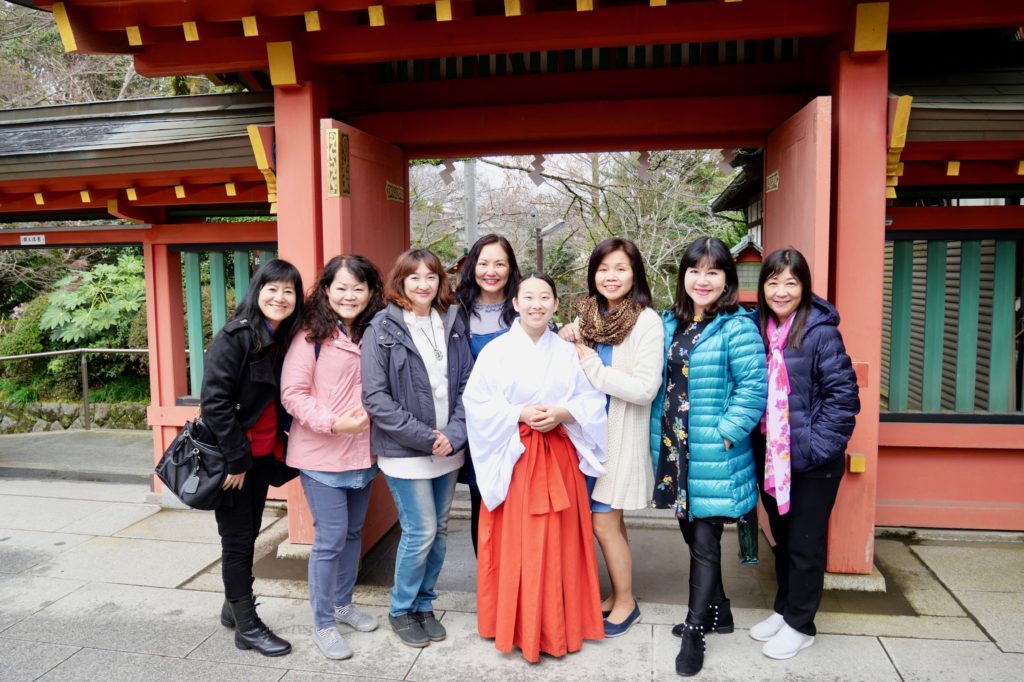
584 351
570 333
352 422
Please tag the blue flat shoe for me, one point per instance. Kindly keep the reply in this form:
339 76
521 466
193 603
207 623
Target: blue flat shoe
618 629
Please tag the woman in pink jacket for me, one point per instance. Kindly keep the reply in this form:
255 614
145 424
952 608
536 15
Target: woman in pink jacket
330 441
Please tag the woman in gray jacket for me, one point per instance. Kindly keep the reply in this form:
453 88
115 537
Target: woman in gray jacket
415 364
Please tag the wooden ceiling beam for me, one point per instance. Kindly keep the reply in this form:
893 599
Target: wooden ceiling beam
544 125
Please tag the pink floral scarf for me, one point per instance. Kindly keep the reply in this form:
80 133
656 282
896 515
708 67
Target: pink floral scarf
775 424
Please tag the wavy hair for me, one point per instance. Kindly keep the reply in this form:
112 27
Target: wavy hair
321 320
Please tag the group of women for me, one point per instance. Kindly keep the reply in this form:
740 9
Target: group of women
557 433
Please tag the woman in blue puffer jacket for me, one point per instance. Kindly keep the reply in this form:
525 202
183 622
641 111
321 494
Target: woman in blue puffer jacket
711 398
812 404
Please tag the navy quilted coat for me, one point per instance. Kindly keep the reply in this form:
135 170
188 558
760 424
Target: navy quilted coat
728 390
823 398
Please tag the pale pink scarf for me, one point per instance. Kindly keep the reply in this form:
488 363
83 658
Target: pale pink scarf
775 424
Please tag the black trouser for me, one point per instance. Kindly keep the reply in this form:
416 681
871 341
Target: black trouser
238 521
474 512
704 538
800 547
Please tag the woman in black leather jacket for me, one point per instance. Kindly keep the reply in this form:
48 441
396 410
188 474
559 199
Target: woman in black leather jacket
241 405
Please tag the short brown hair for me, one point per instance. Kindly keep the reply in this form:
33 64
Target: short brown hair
408 263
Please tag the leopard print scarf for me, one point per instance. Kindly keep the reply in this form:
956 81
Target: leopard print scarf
611 328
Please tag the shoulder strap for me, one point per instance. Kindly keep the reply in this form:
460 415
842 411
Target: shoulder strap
316 351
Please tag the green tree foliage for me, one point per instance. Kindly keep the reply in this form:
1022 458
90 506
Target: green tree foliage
26 337
87 306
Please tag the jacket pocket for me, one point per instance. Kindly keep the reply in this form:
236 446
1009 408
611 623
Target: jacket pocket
262 371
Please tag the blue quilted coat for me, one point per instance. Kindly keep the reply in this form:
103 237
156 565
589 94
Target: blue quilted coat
728 389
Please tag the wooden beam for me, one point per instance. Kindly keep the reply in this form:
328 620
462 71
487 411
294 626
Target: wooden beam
64 29
943 218
558 124
281 57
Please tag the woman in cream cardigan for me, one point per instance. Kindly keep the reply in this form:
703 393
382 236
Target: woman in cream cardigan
620 341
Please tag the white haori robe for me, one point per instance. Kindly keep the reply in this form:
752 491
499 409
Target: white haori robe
513 372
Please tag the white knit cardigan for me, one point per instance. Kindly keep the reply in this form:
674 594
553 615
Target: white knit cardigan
632 381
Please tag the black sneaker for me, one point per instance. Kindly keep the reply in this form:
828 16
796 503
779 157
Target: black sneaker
409 630
435 631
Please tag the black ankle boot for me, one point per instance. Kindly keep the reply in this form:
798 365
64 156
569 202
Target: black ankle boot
252 633
227 619
721 618
691 652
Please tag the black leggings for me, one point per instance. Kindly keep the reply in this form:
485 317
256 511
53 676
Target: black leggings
238 521
704 538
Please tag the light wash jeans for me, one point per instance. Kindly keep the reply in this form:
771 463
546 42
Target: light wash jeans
423 506
338 516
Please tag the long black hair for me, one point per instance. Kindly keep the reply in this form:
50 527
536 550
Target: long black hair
714 252
774 264
641 291
468 290
320 318
274 270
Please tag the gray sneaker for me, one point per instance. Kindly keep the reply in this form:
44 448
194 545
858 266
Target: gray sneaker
435 631
354 618
332 644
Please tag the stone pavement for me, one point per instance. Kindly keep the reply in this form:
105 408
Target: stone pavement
96 582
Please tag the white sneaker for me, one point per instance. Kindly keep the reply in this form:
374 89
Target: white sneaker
332 644
351 616
787 643
768 627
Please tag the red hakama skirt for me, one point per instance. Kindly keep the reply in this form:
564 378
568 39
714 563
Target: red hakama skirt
537 584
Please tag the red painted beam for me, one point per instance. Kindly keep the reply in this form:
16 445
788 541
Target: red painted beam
933 173
582 145
179 233
694 81
943 15
561 30
964 150
932 218
552 125
119 181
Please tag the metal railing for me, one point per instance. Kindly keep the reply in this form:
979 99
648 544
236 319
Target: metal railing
84 353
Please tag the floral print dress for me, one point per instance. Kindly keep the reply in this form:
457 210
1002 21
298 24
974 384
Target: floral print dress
670 490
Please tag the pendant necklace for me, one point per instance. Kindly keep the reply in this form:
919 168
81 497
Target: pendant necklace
432 340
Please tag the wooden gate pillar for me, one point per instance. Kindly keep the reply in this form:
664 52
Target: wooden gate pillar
859 119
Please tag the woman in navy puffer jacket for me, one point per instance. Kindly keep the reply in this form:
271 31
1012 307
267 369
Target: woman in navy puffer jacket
801 447
711 398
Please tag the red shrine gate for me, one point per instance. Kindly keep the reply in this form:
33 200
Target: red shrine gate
807 79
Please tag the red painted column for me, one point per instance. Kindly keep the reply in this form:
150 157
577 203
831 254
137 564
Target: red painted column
165 325
859 122
297 114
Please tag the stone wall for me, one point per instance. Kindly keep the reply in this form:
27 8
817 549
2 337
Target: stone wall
37 417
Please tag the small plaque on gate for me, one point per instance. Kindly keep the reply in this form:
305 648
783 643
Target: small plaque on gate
33 239
771 183
394 192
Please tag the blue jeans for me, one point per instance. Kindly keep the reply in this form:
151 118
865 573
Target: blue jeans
423 506
338 516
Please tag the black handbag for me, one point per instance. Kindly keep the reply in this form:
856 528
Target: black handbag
194 469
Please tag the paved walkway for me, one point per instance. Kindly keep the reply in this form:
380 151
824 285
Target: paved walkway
96 582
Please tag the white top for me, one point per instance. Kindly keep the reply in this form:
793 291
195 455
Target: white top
513 372
429 336
632 381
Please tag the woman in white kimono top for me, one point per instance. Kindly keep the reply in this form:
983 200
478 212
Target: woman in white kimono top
535 426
